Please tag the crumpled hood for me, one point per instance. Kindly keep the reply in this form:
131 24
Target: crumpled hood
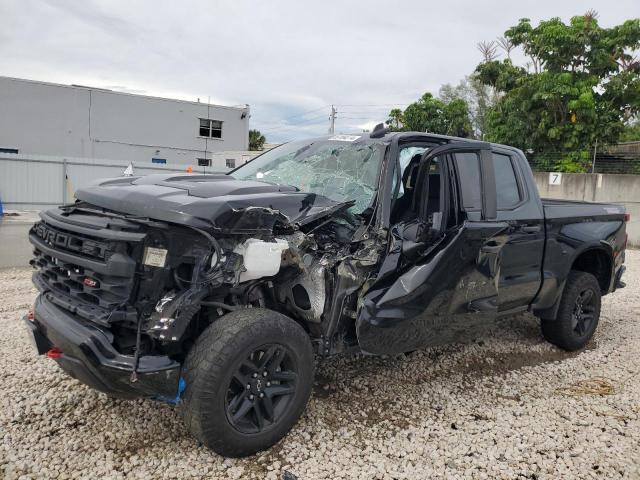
205 201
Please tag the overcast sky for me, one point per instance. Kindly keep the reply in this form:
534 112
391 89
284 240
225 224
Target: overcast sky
290 60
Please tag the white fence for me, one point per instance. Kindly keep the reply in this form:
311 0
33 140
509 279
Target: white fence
29 182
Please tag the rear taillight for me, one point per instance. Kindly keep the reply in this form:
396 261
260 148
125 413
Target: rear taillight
627 217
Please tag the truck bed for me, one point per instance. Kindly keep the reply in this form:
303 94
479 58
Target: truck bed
562 209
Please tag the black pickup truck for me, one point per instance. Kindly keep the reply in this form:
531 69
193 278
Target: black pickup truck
217 292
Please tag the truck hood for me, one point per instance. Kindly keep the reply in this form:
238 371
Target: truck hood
205 201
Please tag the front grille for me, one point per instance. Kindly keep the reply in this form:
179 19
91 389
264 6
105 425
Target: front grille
87 276
76 281
70 242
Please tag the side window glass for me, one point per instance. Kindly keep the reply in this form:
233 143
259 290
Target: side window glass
468 166
507 191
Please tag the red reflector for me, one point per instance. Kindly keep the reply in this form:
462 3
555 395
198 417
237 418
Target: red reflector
90 282
627 217
30 315
54 353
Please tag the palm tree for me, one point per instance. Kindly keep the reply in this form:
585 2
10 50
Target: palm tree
256 140
396 119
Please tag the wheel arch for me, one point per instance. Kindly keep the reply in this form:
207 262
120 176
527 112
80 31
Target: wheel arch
597 261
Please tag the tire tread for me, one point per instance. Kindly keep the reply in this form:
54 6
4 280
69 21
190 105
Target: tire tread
209 360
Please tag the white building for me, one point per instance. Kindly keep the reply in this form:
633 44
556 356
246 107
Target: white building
39 118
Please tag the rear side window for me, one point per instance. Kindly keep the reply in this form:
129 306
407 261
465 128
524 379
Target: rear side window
468 166
507 191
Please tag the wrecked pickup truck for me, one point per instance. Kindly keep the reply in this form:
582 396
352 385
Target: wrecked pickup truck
217 292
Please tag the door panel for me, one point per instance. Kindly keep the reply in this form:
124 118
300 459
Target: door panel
523 240
429 302
521 259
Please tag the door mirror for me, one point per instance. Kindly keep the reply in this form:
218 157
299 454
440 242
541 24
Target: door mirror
413 235
417 236
413 231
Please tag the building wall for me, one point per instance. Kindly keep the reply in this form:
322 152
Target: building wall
598 187
47 119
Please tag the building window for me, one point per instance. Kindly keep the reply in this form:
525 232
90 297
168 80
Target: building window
204 162
159 160
210 128
8 150
231 163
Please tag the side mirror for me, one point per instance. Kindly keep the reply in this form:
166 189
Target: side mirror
415 235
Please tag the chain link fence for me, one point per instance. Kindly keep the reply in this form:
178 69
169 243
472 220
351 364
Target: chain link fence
622 158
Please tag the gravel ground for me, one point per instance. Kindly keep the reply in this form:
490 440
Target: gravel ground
502 404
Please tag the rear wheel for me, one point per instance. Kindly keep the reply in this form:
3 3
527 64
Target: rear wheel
248 378
578 313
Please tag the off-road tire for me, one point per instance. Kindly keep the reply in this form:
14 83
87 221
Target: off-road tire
562 331
210 366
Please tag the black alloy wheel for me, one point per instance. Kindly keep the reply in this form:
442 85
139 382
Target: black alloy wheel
248 379
261 388
584 311
578 312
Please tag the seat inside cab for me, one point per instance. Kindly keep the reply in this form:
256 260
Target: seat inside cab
409 194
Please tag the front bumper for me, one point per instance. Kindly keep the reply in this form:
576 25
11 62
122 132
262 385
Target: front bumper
89 356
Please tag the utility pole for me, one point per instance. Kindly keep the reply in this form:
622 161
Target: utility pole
332 127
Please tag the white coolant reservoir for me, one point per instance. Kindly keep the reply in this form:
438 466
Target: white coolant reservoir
260 258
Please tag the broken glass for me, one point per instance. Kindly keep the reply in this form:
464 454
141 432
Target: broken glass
340 170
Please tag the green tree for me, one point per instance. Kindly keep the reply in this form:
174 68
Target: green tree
256 140
631 133
430 114
395 122
581 86
478 96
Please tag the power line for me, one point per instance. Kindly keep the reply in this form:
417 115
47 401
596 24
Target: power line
373 117
317 120
376 105
305 113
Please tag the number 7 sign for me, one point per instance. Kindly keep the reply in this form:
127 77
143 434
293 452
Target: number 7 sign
555 178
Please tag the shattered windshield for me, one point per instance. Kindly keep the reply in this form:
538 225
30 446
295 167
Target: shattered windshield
338 169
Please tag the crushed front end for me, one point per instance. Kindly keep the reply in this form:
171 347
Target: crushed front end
123 298
94 288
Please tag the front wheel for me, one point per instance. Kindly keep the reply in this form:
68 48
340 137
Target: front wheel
578 313
248 379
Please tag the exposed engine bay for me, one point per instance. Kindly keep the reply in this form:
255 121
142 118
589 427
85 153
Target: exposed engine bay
301 274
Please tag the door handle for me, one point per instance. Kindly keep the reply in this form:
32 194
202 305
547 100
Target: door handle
530 229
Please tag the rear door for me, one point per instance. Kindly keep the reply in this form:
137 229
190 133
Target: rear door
518 207
431 285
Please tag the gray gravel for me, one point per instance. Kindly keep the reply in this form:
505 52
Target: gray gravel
497 406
